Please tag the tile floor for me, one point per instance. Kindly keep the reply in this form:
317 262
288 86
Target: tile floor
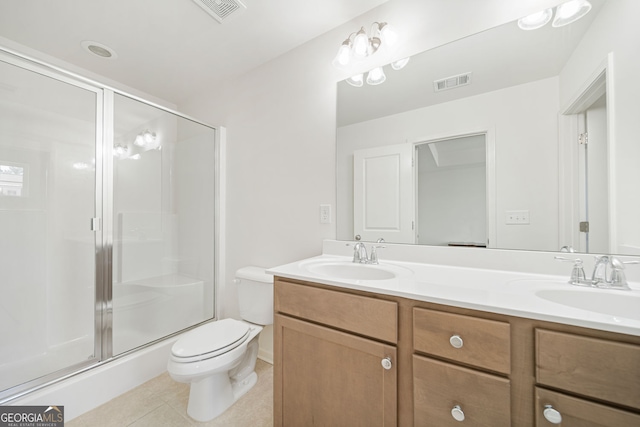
162 402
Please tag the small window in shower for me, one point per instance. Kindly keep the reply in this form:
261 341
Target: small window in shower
13 179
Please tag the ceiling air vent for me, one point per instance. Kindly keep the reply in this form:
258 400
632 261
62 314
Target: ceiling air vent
221 9
452 82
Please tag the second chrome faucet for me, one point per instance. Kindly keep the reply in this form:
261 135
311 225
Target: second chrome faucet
608 273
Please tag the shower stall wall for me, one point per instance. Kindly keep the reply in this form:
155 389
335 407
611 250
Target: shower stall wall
107 218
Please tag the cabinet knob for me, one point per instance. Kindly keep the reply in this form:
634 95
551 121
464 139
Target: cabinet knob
456 341
386 363
552 415
457 413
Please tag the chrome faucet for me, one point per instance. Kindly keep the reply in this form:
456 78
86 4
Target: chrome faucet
608 273
360 253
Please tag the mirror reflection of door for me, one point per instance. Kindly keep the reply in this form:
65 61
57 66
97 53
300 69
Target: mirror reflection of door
383 197
593 178
451 192
592 222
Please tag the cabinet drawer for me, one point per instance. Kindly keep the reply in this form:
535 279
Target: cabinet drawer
439 387
601 369
362 315
481 342
579 413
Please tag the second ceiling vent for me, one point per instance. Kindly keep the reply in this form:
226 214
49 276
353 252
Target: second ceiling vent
220 10
452 82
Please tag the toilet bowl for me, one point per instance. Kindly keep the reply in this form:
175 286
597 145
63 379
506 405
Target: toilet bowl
218 359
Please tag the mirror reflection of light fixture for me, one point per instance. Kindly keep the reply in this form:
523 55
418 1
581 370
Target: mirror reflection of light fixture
566 13
399 64
359 45
121 151
147 140
357 80
570 12
536 20
376 76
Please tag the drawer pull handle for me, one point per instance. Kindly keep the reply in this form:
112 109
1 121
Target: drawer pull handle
386 363
456 341
457 413
552 415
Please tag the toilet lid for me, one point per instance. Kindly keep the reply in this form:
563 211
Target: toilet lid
210 340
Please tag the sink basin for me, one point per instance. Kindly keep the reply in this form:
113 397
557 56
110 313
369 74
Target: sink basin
351 271
624 304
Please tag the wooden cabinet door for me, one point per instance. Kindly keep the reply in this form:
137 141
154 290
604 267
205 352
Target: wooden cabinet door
324 377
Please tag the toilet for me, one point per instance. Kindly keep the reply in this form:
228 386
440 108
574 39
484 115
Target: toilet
218 359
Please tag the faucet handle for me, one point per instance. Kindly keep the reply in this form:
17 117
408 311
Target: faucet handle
577 274
373 257
618 278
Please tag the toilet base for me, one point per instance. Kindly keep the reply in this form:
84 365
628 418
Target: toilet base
210 397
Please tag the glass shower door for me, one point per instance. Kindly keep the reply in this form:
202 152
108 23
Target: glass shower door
48 132
163 223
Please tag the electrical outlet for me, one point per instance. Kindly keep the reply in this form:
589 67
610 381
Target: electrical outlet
517 217
325 214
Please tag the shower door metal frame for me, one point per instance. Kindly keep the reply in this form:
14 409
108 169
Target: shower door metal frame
103 211
37 67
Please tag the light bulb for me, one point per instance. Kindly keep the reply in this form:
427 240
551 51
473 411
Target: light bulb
357 80
343 56
399 64
149 137
535 20
360 44
376 76
388 34
139 141
570 12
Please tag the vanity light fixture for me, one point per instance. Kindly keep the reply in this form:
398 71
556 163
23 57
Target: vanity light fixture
359 45
566 13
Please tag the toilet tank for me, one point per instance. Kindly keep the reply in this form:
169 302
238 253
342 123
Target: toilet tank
255 295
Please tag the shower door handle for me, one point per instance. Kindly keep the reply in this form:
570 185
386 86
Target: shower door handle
96 224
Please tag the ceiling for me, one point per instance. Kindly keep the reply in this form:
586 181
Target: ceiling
171 48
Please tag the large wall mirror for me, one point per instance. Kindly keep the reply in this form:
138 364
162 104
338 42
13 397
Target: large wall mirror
506 139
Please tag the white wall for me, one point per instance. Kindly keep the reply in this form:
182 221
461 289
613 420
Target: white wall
615 30
524 121
281 128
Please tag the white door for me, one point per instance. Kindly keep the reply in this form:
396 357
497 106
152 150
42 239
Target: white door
383 194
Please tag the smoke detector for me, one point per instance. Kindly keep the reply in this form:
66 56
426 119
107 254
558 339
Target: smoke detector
452 82
221 10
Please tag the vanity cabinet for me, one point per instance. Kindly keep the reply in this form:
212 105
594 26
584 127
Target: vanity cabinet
601 372
335 358
346 357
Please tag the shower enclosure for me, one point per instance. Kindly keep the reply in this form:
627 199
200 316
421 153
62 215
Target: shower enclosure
107 223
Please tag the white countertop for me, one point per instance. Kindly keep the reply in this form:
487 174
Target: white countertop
505 292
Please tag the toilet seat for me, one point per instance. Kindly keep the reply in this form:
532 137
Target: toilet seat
210 340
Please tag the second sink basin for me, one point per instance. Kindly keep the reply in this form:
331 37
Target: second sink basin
342 270
624 304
